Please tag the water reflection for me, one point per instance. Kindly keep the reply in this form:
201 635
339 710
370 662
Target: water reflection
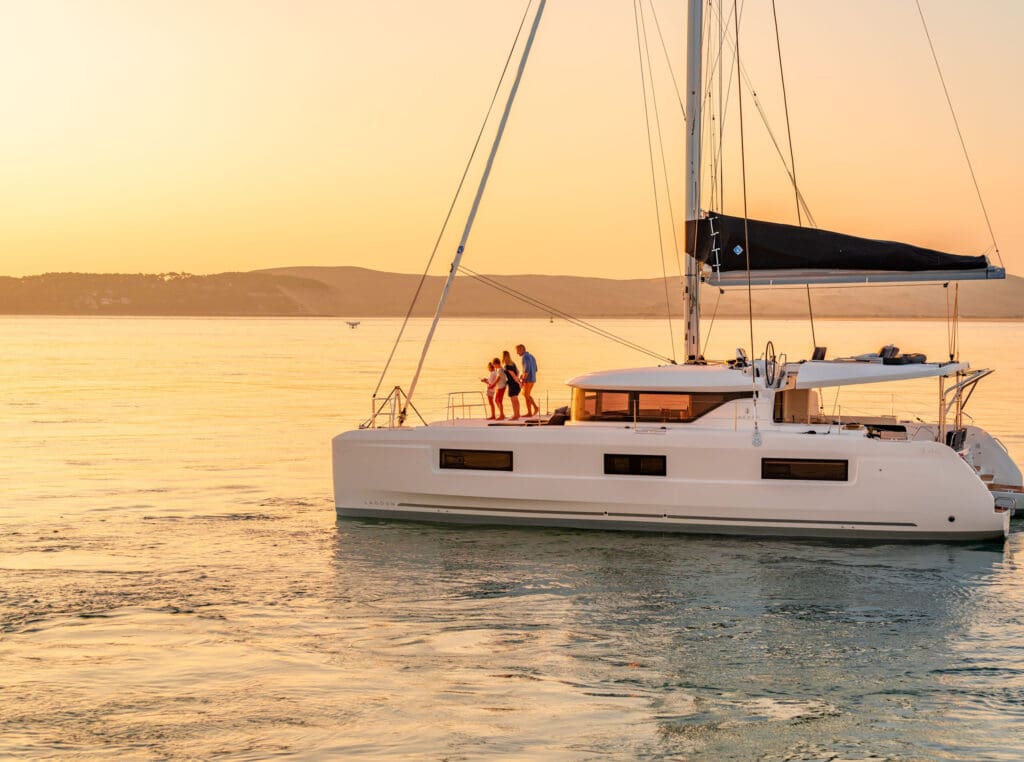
175 584
706 644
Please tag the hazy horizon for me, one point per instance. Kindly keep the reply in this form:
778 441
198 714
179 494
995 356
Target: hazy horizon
169 137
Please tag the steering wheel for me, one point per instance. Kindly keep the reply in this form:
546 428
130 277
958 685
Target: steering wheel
771 365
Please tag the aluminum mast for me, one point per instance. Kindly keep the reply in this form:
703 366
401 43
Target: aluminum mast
476 205
691 284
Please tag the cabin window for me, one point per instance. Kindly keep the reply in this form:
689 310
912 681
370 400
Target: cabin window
647 407
477 460
634 465
805 469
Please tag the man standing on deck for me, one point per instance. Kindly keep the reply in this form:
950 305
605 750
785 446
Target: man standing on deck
529 378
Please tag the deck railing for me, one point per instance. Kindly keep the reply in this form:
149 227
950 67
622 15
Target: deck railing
466 405
391 411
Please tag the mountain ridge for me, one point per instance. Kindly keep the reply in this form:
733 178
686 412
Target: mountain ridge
347 291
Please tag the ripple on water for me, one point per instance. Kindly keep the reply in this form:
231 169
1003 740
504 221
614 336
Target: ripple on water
202 601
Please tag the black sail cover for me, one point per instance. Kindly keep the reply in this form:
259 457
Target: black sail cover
722 243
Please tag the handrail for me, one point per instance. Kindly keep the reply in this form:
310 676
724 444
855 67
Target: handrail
959 400
967 385
393 409
462 406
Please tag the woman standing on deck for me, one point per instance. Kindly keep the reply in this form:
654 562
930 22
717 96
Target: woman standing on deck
514 384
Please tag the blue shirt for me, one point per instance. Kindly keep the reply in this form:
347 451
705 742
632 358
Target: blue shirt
529 368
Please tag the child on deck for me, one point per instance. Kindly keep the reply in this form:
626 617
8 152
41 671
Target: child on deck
501 382
491 380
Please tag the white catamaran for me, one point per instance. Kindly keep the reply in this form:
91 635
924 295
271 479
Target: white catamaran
738 447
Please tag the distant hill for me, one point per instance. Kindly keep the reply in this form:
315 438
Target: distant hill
358 292
166 294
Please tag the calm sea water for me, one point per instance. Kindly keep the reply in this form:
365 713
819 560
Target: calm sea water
175 584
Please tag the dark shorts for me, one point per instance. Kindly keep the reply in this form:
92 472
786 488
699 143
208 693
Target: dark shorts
513 390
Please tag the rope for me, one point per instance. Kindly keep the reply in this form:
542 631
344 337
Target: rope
746 232
810 311
716 179
707 336
668 59
579 322
949 325
747 237
502 123
792 157
451 208
661 147
956 320
721 118
717 66
743 166
771 134
959 133
785 104
638 12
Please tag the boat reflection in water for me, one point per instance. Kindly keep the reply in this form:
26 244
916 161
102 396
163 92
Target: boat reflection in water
515 641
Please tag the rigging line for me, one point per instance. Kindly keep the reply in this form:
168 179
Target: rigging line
637 19
707 336
664 168
708 115
785 104
710 130
810 310
768 128
707 123
792 156
455 198
956 123
778 149
746 235
717 65
949 327
721 118
661 143
502 123
668 60
579 322
956 320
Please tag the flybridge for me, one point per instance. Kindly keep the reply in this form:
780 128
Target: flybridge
788 255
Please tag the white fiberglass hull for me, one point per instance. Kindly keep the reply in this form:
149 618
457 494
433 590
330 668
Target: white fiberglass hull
713 483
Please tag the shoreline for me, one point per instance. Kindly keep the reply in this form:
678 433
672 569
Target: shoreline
283 316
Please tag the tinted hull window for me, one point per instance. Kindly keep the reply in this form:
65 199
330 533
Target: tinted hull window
477 460
634 465
805 469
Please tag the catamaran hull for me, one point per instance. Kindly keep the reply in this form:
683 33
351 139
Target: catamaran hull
712 484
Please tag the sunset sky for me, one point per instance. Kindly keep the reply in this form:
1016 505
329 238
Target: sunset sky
179 135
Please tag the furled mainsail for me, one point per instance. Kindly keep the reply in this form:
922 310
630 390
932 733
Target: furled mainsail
785 254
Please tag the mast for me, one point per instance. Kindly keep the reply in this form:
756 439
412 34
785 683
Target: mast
476 205
691 284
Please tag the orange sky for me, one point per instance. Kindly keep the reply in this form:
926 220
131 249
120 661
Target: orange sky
145 136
